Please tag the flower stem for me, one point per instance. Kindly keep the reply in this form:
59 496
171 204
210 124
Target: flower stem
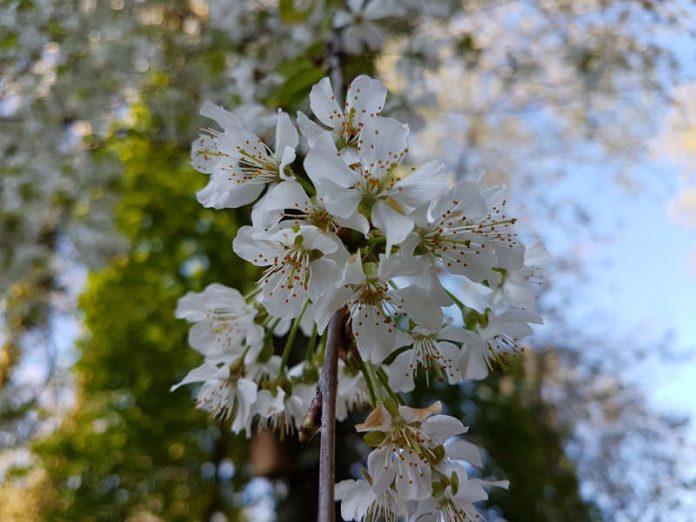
311 346
385 384
369 382
252 294
291 337
306 185
462 307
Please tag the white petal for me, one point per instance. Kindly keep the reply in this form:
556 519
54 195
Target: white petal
366 96
324 163
192 306
205 155
287 195
442 427
222 117
400 266
246 396
400 372
268 404
373 334
262 216
286 134
326 305
339 201
377 461
283 296
423 185
353 273
420 308
235 139
323 103
249 246
203 373
221 192
394 225
286 158
460 449
355 222
536 255
382 9
315 239
414 480
384 142
465 196
310 130
473 363
454 355
325 273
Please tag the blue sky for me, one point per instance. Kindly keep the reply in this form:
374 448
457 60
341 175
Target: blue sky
641 284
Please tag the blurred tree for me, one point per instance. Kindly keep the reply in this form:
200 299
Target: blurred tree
71 68
130 448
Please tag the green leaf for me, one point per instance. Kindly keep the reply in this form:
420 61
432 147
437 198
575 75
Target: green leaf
292 15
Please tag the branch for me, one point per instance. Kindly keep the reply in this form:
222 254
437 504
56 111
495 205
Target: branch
328 380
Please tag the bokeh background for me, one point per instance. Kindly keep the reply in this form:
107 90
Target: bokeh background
585 109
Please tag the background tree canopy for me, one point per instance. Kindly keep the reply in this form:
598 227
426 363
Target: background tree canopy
98 107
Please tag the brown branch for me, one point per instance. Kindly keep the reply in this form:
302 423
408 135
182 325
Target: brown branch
328 381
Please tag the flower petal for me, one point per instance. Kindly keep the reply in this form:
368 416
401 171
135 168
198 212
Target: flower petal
384 142
221 116
464 450
286 135
422 185
394 225
310 130
324 105
324 163
365 98
221 192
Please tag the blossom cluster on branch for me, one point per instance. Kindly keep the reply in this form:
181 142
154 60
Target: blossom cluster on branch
356 228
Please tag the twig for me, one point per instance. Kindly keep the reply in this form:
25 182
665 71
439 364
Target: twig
328 380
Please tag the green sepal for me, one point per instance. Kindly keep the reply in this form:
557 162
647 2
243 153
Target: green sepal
454 482
374 438
438 454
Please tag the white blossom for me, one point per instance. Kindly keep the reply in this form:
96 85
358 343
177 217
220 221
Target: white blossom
224 323
407 451
239 163
359 231
365 98
359 502
517 286
289 253
466 230
225 392
453 500
373 305
282 412
497 337
376 185
359 23
430 351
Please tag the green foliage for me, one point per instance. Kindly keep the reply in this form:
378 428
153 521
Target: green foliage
289 13
130 446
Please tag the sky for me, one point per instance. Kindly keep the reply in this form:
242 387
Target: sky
641 281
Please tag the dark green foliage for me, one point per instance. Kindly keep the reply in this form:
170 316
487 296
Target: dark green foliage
130 445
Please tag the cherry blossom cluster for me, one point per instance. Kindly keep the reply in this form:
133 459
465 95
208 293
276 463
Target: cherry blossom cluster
395 247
